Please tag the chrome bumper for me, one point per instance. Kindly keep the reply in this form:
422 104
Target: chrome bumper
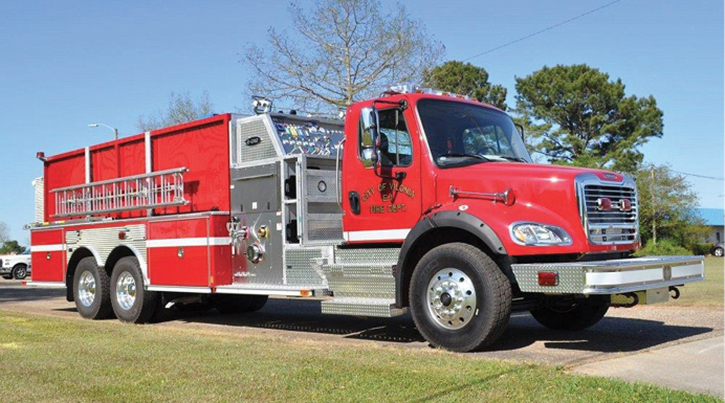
612 276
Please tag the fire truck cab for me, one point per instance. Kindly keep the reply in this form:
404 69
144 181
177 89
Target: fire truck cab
420 200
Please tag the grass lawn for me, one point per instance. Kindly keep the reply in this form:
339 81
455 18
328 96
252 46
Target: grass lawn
63 360
707 293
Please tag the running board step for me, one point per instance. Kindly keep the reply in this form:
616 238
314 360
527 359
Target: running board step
377 307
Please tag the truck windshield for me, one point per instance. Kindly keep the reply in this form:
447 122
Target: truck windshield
461 134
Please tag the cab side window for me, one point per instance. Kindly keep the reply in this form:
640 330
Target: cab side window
395 144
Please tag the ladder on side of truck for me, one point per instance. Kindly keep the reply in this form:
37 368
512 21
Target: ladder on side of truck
137 192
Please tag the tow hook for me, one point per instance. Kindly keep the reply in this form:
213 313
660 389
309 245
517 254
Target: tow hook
619 303
677 292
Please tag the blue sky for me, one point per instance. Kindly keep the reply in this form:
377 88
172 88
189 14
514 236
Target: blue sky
66 64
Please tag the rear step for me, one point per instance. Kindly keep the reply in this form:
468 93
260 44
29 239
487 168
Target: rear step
378 307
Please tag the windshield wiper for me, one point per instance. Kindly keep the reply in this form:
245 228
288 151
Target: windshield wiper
517 159
480 157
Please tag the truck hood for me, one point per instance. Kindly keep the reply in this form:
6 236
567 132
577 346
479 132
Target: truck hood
541 193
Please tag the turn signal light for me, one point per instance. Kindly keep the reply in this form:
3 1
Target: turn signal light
548 278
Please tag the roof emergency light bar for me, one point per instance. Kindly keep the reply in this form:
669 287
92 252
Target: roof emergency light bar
409 89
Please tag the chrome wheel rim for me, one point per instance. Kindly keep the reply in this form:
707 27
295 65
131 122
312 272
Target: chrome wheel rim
451 299
718 252
20 272
125 291
87 289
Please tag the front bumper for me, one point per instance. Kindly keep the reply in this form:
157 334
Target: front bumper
605 277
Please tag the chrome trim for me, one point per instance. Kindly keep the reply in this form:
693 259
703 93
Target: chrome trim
612 276
590 179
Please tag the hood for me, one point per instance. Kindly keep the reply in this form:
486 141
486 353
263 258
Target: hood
541 193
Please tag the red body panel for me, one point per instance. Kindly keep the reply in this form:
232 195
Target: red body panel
48 265
200 265
201 146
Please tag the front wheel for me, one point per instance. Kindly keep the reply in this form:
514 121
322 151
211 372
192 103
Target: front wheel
20 271
459 298
572 315
718 252
131 302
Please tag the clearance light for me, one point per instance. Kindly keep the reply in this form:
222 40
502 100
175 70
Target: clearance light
548 278
534 234
408 89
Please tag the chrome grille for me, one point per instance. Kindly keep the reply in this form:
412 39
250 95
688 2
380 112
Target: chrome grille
614 225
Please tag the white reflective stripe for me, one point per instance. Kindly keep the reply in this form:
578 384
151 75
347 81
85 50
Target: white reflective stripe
47 248
172 242
45 284
200 290
377 235
623 277
686 271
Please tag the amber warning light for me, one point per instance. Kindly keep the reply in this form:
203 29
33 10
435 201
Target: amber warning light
548 278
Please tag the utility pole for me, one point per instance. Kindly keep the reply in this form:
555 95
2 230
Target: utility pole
654 206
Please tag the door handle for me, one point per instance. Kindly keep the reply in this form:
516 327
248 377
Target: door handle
354 199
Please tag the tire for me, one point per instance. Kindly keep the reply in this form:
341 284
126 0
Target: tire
229 304
131 302
572 315
460 299
718 252
92 290
20 271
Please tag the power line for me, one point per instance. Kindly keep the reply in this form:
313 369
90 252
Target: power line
697 176
549 28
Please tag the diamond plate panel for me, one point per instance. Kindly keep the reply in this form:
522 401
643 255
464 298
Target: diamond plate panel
104 240
324 230
571 279
299 268
376 256
343 285
361 307
246 129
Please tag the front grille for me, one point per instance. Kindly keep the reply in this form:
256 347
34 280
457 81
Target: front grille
613 225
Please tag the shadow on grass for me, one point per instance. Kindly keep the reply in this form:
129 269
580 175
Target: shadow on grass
612 334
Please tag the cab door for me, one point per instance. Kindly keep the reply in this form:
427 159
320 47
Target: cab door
381 201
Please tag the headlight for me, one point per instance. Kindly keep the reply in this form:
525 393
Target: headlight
533 234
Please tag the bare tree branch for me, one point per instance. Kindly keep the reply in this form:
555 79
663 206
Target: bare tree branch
343 50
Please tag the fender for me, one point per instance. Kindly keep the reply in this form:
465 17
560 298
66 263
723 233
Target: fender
90 249
442 219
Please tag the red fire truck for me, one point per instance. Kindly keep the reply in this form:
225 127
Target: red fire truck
420 201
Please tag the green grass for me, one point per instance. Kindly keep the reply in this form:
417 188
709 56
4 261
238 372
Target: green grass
708 293
66 360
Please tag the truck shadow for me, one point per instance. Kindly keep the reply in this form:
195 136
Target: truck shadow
14 291
612 334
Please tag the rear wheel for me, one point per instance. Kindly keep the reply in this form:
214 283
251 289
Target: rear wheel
718 252
91 290
20 271
131 302
459 298
572 315
228 304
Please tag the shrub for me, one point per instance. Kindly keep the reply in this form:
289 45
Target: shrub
702 248
663 247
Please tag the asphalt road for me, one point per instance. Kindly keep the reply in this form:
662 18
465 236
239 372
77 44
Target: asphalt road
633 332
